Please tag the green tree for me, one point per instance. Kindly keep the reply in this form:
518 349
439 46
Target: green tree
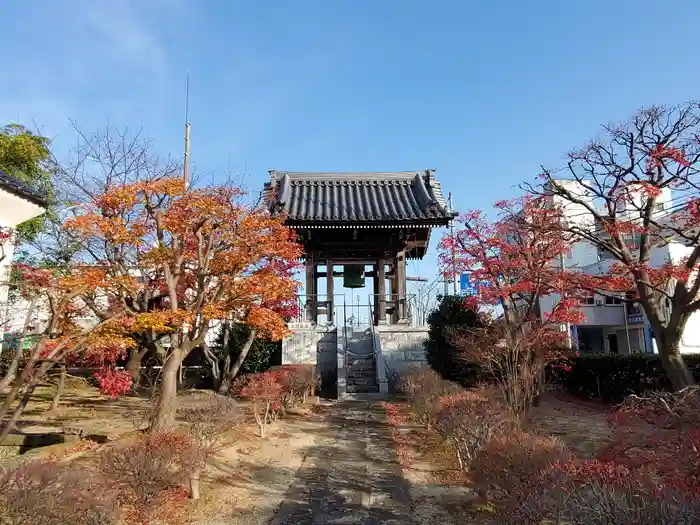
446 321
26 156
230 342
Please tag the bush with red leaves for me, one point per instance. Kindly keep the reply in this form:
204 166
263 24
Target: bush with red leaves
150 475
469 419
298 382
423 388
593 492
505 469
114 383
660 433
50 493
265 393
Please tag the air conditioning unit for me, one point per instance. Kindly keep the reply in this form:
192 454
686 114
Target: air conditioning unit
599 302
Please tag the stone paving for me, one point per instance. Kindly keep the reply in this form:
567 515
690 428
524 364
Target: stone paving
351 474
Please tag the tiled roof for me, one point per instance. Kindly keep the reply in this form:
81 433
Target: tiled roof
17 187
357 198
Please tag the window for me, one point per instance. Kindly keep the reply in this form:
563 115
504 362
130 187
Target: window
587 301
613 301
604 254
659 206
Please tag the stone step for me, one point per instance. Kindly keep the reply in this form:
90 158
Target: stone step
364 381
360 366
360 361
362 389
360 373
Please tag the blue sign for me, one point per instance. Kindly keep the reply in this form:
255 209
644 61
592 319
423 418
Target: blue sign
467 287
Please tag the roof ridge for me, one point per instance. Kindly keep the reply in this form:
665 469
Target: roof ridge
21 189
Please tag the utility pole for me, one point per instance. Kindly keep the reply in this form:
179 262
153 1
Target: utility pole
454 249
186 166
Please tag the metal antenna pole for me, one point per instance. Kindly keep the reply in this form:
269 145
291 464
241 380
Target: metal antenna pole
186 167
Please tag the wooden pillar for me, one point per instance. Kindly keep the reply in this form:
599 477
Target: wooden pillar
375 294
311 295
329 291
381 292
400 276
394 292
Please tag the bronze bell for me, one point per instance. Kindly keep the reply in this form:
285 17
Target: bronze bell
354 276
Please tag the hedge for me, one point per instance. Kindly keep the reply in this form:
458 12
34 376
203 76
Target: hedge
612 377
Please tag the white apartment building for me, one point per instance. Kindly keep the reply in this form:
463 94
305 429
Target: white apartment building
617 324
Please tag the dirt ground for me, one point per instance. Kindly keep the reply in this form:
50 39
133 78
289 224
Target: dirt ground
245 483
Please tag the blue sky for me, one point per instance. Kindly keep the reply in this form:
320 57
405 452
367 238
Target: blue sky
484 92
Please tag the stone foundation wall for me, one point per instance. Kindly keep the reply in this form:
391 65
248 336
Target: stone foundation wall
399 347
310 344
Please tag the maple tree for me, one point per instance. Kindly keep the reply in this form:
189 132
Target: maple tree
614 186
201 255
101 159
514 260
65 336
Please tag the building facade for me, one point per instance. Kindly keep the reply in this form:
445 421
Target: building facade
618 324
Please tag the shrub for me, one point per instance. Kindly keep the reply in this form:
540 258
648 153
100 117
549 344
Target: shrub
298 382
469 420
48 493
659 433
592 492
442 354
149 476
265 392
600 493
423 389
209 420
506 468
612 377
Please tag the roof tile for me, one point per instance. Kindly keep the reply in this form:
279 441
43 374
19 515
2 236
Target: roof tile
359 197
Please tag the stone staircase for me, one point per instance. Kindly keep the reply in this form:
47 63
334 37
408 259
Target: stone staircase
360 364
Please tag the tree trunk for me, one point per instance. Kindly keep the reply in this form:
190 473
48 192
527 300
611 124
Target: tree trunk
166 407
669 353
12 369
133 365
59 388
230 375
213 361
194 484
14 365
25 391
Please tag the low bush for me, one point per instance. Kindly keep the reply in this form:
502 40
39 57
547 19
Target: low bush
150 475
298 382
613 377
599 493
49 493
208 422
506 468
265 393
468 420
659 433
423 388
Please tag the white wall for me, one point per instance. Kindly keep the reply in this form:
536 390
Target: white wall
690 341
13 211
